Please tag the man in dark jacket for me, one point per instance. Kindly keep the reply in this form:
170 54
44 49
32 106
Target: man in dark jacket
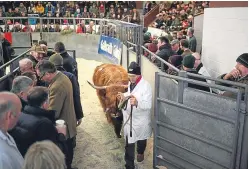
36 123
188 63
57 60
20 86
6 47
43 43
26 65
69 63
175 44
5 52
239 74
192 40
184 44
164 50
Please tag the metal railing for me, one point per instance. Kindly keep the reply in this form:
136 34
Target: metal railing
161 60
234 149
11 61
3 67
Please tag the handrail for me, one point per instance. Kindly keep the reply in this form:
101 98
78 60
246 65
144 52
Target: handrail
53 18
68 50
10 73
150 16
200 13
70 18
133 44
217 80
9 62
157 57
152 10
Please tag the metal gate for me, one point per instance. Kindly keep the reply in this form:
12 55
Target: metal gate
196 129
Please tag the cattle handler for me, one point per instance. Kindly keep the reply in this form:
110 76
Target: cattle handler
136 115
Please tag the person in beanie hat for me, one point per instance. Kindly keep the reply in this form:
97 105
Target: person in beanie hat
243 59
140 94
57 60
241 69
188 63
238 74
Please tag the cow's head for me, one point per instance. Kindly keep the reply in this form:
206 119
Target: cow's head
109 95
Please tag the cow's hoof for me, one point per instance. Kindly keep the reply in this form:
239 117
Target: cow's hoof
119 136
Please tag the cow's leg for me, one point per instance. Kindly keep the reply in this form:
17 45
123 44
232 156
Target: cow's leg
117 123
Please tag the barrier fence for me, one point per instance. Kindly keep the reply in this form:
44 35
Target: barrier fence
197 129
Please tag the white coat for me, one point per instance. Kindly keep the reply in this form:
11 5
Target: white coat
141 115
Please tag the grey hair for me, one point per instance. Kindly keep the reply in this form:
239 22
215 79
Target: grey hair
26 61
21 83
5 106
191 30
23 63
44 154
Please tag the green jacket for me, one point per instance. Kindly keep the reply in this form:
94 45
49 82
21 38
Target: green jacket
243 80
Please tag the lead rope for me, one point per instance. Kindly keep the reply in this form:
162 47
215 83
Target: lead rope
125 102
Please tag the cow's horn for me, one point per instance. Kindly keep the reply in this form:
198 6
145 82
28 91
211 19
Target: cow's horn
96 87
104 87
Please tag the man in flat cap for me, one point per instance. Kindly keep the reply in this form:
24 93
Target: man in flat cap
175 45
37 54
141 99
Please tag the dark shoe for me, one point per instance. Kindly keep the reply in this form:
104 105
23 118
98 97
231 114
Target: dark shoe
140 157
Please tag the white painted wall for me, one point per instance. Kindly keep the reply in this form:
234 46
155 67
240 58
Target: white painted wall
198 27
225 37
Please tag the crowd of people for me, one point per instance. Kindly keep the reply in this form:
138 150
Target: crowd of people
44 90
177 17
180 52
119 10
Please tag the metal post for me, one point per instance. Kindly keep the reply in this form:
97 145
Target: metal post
141 43
41 23
156 117
121 57
128 60
74 24
181 86
95 22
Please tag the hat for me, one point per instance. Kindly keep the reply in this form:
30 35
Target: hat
56 59
175 41
188 61
134 68
146 37
176 60
243 59
38 49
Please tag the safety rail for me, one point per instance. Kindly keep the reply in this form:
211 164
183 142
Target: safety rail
75 21
11 61
73 51
8 64
161 60
184 104
151 15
